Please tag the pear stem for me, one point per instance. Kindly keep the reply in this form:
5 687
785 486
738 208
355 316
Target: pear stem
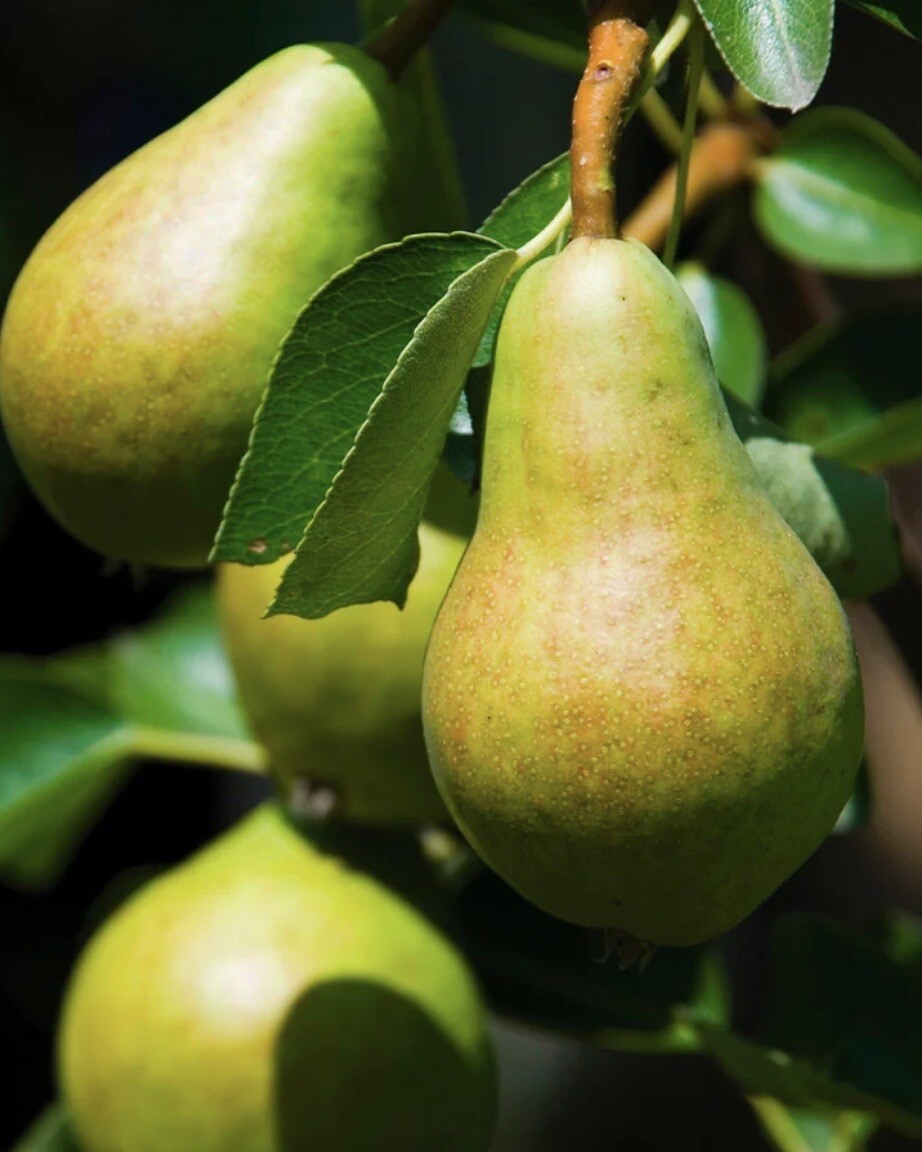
407 34
617 51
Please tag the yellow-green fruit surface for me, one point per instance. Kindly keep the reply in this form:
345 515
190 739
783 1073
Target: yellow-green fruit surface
336 701
139 336
641 698
264 997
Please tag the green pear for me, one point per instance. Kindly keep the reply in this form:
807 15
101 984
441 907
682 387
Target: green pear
641 699
266 997
139 336
336 701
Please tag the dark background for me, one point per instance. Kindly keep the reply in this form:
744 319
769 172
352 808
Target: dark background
82 84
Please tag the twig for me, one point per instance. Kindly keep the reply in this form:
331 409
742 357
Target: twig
658 115
695 68
722 158
617 49
411 31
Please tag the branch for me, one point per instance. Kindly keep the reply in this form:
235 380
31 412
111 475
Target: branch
617 50
409 32
721 159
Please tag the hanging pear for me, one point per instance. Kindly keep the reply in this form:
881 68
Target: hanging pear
641 699
139 336
336 701
266 997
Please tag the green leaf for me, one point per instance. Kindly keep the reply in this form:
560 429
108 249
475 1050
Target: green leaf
62 756
361 544
852 389
844 1005
73 724
735 335
523 215
844 194
551 31
50 1133
778 49
174 673
903 15
813 1130
545 973
841 515
329 371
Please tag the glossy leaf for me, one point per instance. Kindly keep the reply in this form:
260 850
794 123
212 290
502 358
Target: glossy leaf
523 214
903 15
330 370
851 389
361 544
735 335
844 194
49 1133
778 49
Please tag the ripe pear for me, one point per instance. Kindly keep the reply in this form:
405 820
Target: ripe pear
265 997
641 699
139 336
336 700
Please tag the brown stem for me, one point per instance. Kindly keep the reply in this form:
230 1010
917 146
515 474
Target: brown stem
407 34
617 48
722 158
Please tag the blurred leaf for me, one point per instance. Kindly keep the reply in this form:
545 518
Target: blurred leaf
523 214
855 1014
174 673
735 335
844 194
50 1133
547 973
778 49
813 1130
902 939
333 366
858 808
852 389
61 758
841 515
71 726
904 15
552 31
362 543
761 1070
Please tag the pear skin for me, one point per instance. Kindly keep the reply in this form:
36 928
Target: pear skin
265 997
139 337
336 701
641 698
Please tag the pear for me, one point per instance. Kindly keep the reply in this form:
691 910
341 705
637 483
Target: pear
265 997
138 339
641 699
336 700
